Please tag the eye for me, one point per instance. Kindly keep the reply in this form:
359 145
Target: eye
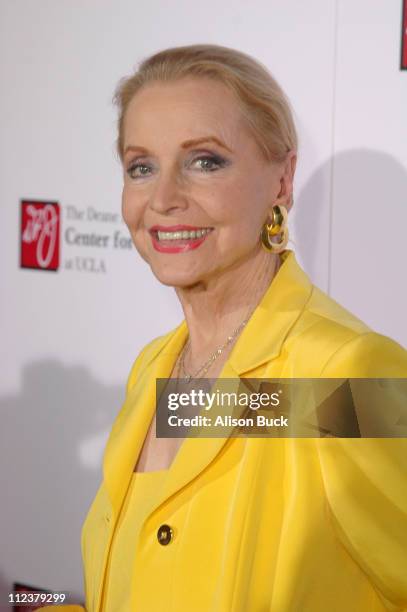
137 170
209 163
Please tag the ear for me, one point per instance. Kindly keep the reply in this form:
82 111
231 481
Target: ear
288 166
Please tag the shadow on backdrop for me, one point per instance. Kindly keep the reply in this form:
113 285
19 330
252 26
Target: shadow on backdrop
369 212
52 439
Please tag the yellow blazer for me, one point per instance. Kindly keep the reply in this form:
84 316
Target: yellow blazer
264 525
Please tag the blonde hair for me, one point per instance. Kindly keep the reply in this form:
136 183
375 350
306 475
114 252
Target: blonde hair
261 99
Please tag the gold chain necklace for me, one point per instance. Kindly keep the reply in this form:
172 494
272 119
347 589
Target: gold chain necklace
207 364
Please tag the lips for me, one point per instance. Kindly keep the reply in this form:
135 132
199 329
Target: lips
178 238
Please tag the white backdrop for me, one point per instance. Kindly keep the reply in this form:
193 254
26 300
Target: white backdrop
69 337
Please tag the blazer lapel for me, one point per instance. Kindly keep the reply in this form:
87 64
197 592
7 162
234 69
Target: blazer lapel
131 426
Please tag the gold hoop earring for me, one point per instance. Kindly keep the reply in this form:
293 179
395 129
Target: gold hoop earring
277 226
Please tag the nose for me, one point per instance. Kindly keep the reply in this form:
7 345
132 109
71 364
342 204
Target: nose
167 195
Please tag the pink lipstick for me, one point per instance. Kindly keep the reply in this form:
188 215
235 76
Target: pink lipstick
178 238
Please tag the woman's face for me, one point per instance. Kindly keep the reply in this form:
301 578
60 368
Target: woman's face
192 166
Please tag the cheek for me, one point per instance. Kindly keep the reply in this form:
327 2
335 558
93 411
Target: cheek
241 213
125 207
241 235
131 210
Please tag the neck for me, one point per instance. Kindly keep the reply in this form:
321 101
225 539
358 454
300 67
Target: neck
214 309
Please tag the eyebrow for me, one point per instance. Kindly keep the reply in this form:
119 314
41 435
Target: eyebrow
185 145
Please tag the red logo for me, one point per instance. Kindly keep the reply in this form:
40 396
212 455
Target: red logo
404 37
40 235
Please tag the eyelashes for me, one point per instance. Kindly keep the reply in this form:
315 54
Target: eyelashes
211 163
216 161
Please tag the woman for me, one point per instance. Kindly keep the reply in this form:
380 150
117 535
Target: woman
208 147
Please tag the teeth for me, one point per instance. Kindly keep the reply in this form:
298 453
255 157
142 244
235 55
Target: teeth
184 234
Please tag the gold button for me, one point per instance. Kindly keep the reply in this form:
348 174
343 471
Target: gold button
165 535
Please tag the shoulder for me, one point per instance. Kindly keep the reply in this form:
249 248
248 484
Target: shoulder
367 355
146 355
351 347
